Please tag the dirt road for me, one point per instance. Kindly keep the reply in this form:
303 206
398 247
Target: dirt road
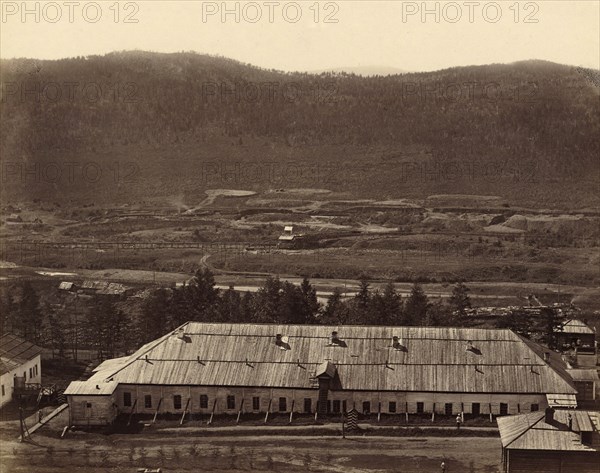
126 453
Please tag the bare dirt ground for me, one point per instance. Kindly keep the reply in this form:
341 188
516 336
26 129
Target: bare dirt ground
233 448
93 453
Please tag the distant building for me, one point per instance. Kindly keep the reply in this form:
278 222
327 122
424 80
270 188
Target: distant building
575 333
66 286
287 235
20 366
105 288
205 368
554 441
14 219
578 339
288 239
587 383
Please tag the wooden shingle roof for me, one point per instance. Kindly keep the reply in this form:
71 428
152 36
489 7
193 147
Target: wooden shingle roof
532 432
90 387
576 326
14 351
583 374
433 359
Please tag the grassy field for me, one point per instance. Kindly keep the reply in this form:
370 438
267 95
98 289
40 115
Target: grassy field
435 241
430 263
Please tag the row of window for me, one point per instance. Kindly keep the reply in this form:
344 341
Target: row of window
335 406
475 408
177 399
33 371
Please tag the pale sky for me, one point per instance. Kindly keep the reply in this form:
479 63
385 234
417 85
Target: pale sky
367 32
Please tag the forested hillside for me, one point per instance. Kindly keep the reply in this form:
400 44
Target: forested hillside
527 131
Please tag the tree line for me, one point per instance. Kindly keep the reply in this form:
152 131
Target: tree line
68 325
112 326
282 302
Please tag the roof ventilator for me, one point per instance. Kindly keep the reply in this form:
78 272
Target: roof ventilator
471 348
282 342
336 341
398 343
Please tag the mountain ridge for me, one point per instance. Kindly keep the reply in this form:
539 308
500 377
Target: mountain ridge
180 110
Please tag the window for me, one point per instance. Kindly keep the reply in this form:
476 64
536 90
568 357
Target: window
448 408
337 406
420 408
3 393
30 373
177 401
366 407
256 403
148 401
503 409
88 405
392 407
534 407
230 402
344 406
307 405
25 375
35 370
203 401
476 408
282 404
127 399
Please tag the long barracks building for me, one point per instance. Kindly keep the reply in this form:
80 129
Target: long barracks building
204 368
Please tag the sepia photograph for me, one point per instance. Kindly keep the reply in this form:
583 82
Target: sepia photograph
310 236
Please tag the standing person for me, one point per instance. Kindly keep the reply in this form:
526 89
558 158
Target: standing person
443 466
458 421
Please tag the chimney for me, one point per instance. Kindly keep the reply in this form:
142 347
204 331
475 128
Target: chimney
547 357
549 419
334 338
278 339
570 420
396 342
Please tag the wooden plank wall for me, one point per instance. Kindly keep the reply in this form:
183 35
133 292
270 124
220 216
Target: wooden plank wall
297 396
537 461
100 412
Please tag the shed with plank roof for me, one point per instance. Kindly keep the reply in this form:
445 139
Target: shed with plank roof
554 441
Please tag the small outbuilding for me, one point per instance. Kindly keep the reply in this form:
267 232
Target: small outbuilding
91 403
577 338
551 441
